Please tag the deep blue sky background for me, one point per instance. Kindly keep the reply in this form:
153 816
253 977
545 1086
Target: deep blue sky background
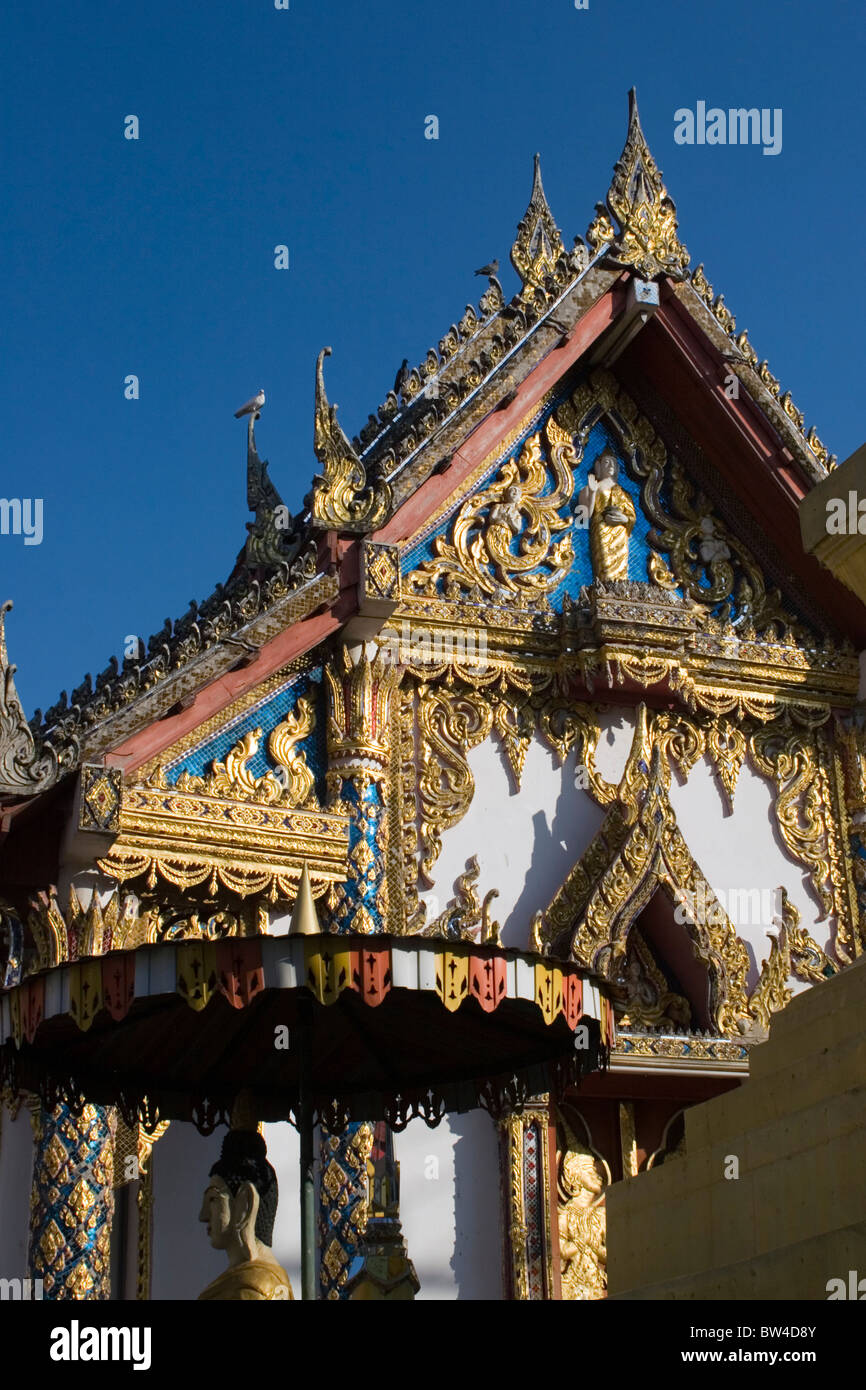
306 127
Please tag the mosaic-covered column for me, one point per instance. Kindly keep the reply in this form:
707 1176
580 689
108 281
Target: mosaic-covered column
530 1260
362 685
361 688
72 1202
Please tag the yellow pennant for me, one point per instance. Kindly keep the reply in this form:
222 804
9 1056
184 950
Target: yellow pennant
452 978
548 991
85 991
327 972
196 972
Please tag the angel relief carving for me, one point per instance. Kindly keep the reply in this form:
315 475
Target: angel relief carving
581 1217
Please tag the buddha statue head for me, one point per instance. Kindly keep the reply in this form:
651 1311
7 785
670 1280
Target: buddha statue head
240 1202
607 465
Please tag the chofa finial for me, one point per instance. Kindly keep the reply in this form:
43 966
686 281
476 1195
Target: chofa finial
538 245
22 771
645 236
341 498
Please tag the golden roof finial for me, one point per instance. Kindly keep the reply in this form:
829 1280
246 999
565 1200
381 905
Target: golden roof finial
646 239
538 245
21 771
305 920
341 498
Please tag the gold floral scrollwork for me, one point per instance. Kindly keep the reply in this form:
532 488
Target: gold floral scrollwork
565 724
786 755
646 216
808 961
291 784
449 724
341 496
727 746
792 952
462 913
503 539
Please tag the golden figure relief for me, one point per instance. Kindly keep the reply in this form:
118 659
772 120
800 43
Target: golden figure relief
239 1208
583 1226
611 514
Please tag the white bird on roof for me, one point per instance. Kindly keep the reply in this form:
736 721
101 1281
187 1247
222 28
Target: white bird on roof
253 405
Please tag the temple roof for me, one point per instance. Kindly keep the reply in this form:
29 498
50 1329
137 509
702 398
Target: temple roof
567 300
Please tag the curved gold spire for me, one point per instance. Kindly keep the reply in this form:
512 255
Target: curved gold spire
538 245
21 771
341 499
646 232
305 919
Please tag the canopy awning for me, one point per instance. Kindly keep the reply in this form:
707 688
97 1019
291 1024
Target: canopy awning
398 1027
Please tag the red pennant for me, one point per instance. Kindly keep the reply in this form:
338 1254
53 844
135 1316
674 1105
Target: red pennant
487 980
572 998
375 974
118 983
239 969
32 1007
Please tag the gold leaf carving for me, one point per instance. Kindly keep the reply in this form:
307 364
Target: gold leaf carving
503 539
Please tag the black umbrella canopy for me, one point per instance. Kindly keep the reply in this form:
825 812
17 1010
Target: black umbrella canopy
392 1027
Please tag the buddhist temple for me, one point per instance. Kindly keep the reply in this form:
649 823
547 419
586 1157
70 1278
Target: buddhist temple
538 689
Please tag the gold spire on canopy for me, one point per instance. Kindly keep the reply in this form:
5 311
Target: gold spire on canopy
538 245
341 498
305 920
645 237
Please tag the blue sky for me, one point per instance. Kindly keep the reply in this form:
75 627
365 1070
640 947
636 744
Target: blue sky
306 127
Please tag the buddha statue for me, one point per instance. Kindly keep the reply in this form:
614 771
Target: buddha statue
610 515
239 1207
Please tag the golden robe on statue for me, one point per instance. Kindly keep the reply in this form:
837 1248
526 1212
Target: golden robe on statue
253 1279
612 517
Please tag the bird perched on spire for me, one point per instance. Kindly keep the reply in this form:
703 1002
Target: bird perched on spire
402 377
491 269
253 405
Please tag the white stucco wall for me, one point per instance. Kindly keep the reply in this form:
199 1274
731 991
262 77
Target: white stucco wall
183 1260
525 841
449 1206
16 1171
743 850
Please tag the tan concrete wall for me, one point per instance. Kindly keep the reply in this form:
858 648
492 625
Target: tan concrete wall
796 1215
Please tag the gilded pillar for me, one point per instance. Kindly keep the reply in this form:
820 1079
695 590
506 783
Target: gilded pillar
361 695
361 689
72 1202
530 1267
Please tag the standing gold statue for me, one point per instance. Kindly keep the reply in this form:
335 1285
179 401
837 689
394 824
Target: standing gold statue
611 516
583 1228
240 1206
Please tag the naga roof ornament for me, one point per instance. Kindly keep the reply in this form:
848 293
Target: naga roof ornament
270 537
341 499
646 236
538 245
23 770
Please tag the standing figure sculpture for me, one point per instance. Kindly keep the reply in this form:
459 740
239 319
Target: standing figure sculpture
239 1207
583 1228
611 517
